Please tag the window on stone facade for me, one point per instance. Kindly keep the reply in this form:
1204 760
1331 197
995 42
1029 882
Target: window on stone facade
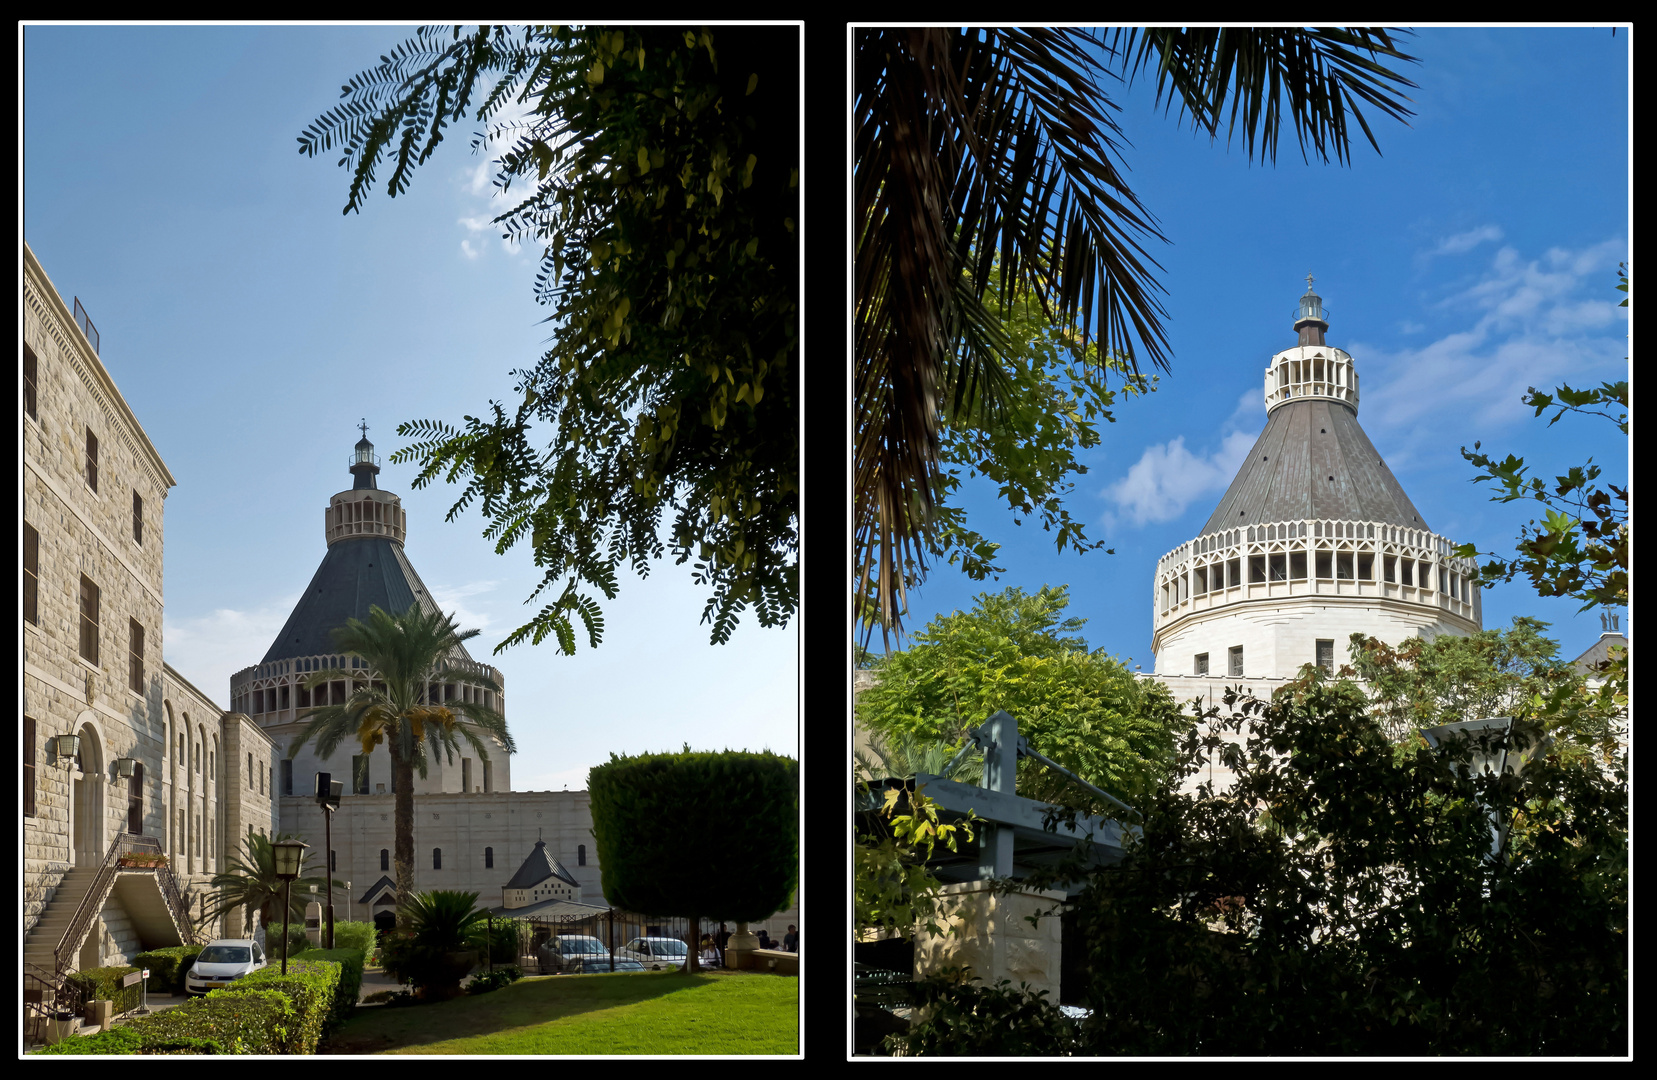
466 775
581 854
1257 569
1366 567
1236 659
284 695
1406 571
1326 655
135 656
488 777
385 859
1343 566
1297 565
1200 667
1279 569
287 776
28 766
437 858
137 518
29 383
31 574
91 460
488 858
135 800
250 772
89 619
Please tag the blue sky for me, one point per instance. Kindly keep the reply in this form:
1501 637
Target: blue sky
251 325
1475 257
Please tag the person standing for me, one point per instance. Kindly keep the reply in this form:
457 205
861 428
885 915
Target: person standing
791 940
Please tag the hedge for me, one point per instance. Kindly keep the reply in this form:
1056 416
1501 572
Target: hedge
251 1022
310 985
127 1040
168 967
104 984
349 987
360 936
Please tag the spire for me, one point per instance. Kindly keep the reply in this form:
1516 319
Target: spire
1311 319
365 465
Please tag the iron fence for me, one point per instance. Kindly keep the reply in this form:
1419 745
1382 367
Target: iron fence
619 933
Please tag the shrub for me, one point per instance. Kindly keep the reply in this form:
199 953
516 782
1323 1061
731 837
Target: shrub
311 985
502 940
486 981
350 978
442 924
254 1022
121 1040
100 984
360 936
168 967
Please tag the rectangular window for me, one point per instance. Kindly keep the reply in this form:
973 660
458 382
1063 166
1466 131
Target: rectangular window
304 694
1366 567
1297 565
250 775
1233 573
135 657
488 777
1200 576
29 383
287 776
31 574
91 460
261 781
89 619
28 766
1389 571
284 695
137 518
1201 666
1279 568
466 775
359 774
1257 569
1443 582
1343 565
1406 571
1326 656
1236 660
1324 565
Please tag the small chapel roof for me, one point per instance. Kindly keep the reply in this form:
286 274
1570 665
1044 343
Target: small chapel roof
551 909
539 866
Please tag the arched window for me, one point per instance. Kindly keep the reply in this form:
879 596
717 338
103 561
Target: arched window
385 859
581 854
488 858
437 858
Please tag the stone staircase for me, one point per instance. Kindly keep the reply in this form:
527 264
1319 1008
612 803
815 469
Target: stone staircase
40 946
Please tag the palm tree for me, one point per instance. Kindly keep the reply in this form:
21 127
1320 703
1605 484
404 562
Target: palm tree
403 655
988 152
250 882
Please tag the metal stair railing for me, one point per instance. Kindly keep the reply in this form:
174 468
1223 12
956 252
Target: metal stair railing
45 994
98 891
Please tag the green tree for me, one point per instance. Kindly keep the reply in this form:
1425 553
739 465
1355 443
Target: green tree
250 883
662 174
992 153
1018 652
731 851
892 888
403 655
1342 899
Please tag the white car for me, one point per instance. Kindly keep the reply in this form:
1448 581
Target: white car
654 951
221 962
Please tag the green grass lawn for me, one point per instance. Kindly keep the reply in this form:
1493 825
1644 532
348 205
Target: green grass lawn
720 1012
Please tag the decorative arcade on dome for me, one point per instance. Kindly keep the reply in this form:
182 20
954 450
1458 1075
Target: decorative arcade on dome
1314 540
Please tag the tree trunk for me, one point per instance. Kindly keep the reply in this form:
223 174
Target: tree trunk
694 939
403 854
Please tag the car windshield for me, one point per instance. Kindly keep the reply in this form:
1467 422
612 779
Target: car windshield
667 948
581 945
224 954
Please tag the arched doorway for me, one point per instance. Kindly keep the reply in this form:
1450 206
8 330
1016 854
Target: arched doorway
88 826
385 921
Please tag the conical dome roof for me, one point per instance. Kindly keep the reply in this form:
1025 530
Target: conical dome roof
1313 461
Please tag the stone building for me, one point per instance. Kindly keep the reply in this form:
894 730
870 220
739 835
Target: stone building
1314 540
155 765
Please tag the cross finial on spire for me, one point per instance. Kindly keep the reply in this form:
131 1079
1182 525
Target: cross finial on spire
1308 281
364 427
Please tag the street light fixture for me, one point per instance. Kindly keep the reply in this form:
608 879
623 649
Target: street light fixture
67 746
328 792
289 855
124 767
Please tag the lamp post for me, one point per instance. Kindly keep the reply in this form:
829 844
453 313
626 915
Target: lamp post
289 855
328 791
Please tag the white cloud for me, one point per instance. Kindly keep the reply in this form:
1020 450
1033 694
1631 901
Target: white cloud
479 181
1167 477
208 649
475 224
1524 323
451 600
466 249
1467 241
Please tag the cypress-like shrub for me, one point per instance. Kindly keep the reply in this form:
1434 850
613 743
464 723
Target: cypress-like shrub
360 936
255 1022
168 967
351 963
311 985
733 850
100 984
